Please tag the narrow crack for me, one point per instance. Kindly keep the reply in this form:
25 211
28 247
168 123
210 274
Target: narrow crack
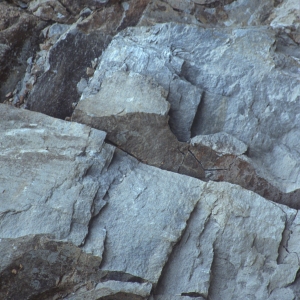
200 163
173 250
193 295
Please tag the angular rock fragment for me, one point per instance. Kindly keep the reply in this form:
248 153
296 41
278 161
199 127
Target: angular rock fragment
168 11
221 142
133 205
50 10
36 266
66 63
142 227
136 119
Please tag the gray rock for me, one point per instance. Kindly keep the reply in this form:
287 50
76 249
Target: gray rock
49 10
141 210
19 40
221 142
136 119
119 290
232 249
81 219
144 229
261 74
46 183
175 297
165 69
69 53
168 11
36 266
188 270
65 65
147 97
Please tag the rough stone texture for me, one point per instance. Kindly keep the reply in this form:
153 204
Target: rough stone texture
131 115
221 142
65 65
19 38
43 160
212 92
67 54
254 72
204 263
171 11
173 242
63 11
37 267
146 199
114 290
138 94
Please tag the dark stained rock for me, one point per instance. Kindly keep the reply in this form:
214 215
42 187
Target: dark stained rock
55 90
19 40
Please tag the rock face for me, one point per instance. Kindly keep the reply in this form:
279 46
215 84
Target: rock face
232 67
95 199
74 48
160 157
19 38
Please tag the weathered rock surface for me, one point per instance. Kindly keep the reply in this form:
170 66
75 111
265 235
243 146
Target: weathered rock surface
203 258
105 225
210 105
73 52
131 116
19 39
208 89
253 72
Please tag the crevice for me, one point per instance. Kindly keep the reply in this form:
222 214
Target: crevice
193 295
196 159
93 217
194 127
14 212
122 277
174 248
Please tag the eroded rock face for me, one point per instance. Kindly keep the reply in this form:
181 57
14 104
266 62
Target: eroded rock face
68 54
227 65
203 101
56 157
131 116
19 39
69 50
207 89
119 227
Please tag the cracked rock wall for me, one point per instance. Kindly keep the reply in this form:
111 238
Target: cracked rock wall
149 232
153 151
